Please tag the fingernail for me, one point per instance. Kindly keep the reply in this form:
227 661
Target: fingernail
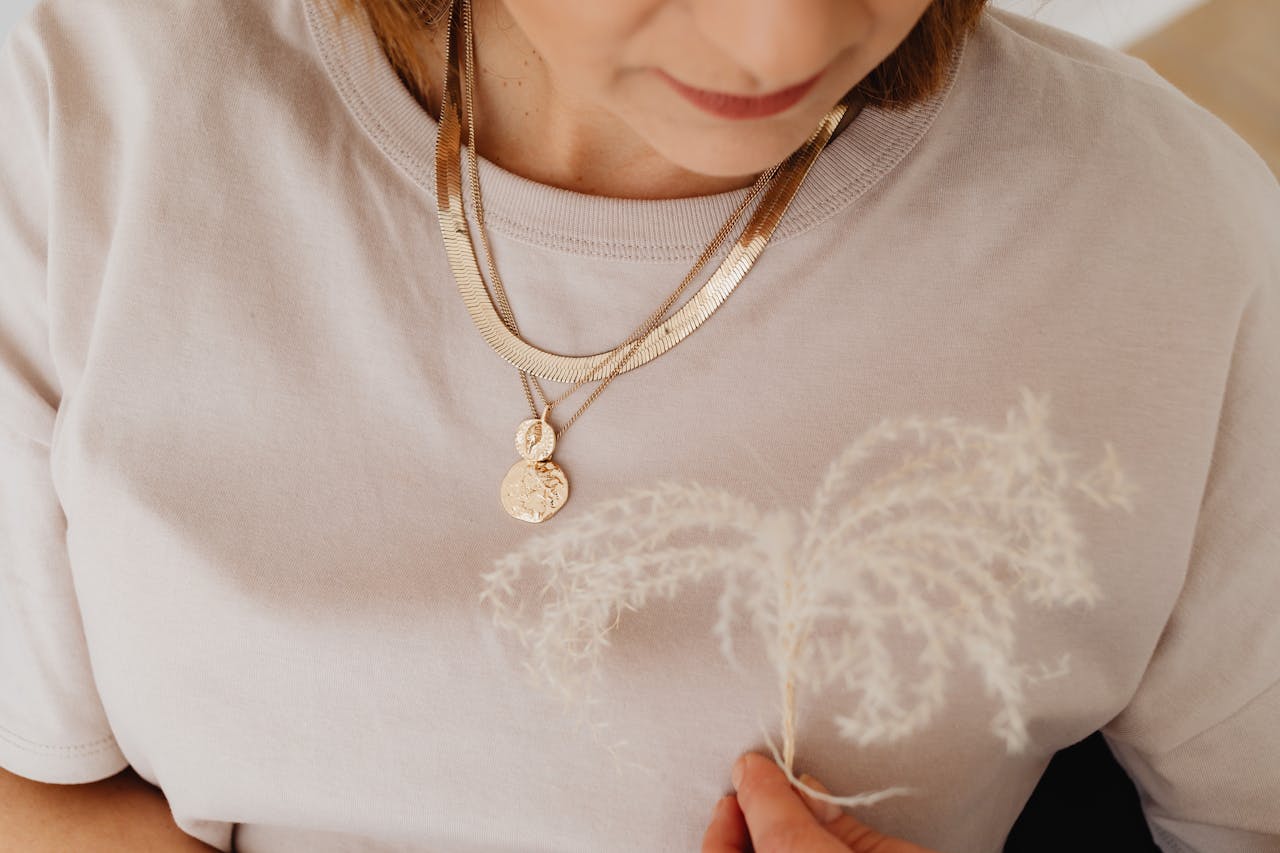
739 769
825 811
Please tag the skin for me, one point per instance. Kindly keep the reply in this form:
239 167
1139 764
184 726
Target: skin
767 815
120 814
568 94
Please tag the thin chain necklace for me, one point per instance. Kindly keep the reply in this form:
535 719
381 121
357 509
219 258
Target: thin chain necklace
535 487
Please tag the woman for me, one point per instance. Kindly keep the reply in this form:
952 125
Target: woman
970 451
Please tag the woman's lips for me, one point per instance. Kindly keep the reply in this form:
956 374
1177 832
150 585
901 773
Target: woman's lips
727 105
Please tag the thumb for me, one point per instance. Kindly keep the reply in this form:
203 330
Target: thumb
854 834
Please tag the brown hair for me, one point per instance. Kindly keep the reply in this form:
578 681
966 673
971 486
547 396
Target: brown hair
914 70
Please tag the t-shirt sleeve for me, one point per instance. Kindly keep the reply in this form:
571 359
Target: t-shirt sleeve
1201 736
52 725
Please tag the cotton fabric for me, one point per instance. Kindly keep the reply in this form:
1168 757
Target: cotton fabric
250 447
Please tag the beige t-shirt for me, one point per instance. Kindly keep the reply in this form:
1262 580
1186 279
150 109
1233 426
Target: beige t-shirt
983 455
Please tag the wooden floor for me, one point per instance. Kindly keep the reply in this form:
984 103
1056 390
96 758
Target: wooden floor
1225 55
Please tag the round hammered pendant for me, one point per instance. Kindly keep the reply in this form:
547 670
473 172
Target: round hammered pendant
535 487
533 491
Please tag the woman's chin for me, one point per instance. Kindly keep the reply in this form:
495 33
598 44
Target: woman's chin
726 148
726 154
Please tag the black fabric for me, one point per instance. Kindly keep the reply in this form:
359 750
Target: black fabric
1084 801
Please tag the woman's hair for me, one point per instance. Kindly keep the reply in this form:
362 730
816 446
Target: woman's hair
911 73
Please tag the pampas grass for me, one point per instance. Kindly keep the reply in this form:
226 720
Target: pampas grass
972 516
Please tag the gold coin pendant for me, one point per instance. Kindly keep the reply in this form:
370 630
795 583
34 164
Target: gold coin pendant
535 487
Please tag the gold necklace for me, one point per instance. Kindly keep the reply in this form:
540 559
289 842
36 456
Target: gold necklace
536 487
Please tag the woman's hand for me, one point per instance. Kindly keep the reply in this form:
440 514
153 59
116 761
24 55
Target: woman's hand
767 815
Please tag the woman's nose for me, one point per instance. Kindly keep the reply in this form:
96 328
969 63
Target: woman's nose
779 42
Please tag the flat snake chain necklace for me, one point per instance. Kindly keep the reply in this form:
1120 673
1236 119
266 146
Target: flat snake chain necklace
535 487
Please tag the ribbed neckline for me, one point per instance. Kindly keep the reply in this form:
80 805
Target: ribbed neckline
636 229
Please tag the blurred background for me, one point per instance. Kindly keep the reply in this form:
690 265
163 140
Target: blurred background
1225 54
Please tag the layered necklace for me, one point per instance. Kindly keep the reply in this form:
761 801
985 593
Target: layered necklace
535 487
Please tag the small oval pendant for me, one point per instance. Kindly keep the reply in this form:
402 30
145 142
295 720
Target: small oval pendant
535 439
534 490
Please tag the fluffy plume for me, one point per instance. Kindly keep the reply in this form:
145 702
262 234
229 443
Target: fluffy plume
965 515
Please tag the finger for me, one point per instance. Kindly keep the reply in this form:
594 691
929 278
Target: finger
823 811
776 816
857 836
860 838
728 830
